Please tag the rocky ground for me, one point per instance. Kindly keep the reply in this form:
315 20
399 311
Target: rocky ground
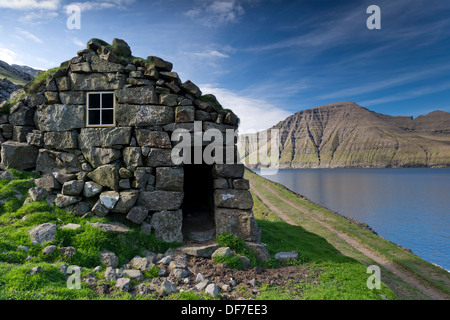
188 270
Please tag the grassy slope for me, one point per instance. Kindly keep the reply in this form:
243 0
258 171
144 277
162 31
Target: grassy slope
336 271
11 77
426 273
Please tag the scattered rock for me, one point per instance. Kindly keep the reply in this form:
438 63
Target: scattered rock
123 284
286 256
109 259
200 251
49 249
212 289
43 233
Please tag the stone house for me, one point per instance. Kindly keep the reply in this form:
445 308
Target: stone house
100 131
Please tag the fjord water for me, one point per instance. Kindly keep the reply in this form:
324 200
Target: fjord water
410 207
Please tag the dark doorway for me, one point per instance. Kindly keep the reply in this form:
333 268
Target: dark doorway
198 203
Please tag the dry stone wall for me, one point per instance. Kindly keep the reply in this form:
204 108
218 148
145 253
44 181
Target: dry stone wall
126 169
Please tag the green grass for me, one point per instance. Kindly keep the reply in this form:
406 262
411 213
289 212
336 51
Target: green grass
336 276
11 77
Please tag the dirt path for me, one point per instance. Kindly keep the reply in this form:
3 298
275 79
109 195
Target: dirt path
375 256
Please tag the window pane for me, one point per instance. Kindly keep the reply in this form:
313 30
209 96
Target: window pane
108 100
107 117
94 117
94 100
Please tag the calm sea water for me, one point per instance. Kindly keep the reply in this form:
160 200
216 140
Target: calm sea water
410 207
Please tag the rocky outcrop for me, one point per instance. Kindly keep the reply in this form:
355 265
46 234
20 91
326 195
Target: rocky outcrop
344 134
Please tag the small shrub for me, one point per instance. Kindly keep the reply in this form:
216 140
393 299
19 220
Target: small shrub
232 262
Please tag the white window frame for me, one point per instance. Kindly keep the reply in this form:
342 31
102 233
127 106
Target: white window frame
100 109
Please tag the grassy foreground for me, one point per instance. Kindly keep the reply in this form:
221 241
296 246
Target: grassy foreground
338 272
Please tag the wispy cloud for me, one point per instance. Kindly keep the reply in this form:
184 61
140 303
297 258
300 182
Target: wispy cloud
78 42
217 12
102 4
7 55
255 114
211 54
38 17
28 35
417 92
30 4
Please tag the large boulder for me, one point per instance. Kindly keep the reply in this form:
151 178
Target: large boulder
101 156
61 140
138 95
43 233
159 200
94 81
169 179
20 156
240 223
106 176
234 199
153 139
167 225
104 137
60 117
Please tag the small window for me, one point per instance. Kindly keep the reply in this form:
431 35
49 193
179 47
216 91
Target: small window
100 109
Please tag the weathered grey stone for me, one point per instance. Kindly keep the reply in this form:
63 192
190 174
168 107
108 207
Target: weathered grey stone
99 209
167 225
67 252
123 284
72 97
156 157
82 67
286 256
22 117
106 176
109 259
94 81
35 138
136 96
43 233
101 65
132 157
37 193
79 209
63 83
134 274
168 288
72 188
201 115
141 264
141 176
228 170
63 201
184 114
220 183
101 156
64 177
52 97
121 48
221 252
240 223
202 284
153 139
234 199
60 117
50 161
152 115
159 200
20 133
124 184
169 179
109 199
260 251
104 137
18 155
192 89
125 173
48 182
137 214
91 189
169 99
241 184
71 226
200 251
49 249
160 63
212 289
61 140
146 228
111 227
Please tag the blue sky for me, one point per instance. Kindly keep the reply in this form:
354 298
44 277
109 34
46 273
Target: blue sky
265 59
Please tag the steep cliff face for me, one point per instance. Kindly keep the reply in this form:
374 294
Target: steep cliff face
347 135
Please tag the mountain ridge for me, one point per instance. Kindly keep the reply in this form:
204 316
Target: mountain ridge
346 135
